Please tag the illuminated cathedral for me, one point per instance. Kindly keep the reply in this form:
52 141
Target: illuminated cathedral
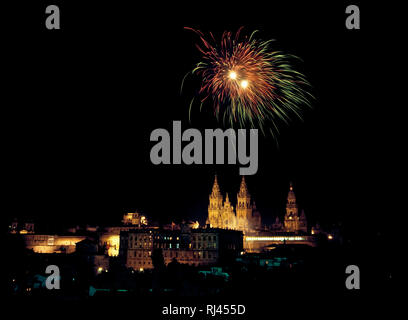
246 217
221 213
293 221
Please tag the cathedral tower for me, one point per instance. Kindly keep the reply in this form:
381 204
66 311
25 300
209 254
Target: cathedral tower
244 207
291 216
221 213
228 215
293 222
216 206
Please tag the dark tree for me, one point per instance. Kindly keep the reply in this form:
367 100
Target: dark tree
158 259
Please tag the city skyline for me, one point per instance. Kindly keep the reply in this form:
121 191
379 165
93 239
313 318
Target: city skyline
202 216
130 225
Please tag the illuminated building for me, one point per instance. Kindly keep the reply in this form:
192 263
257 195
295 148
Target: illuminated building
266 240
135 219
135 239
42 243
247 219
221 213
293 230
110 239
189 246
293 221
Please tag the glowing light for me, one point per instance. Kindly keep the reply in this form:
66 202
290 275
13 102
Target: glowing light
196 225
244 84
141 269
100 269
330 237
113 245
233 75
276 238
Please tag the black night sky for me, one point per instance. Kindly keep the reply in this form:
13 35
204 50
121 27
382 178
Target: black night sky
80 104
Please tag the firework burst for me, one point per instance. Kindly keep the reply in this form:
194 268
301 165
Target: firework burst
248 82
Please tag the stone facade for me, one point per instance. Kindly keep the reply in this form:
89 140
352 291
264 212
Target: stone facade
42 243
293 221
221 213
189 246
135 219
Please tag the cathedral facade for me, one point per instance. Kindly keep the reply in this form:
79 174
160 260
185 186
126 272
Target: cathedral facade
221 213
293 221
246 217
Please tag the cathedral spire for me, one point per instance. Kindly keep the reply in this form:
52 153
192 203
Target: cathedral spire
293 222
227 202
291 194
216 188
243 189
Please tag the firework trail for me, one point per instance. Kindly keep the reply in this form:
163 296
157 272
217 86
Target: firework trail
248 83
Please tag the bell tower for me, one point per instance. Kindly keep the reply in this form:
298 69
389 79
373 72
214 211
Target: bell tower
215 207
291 217
243 207
303 221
